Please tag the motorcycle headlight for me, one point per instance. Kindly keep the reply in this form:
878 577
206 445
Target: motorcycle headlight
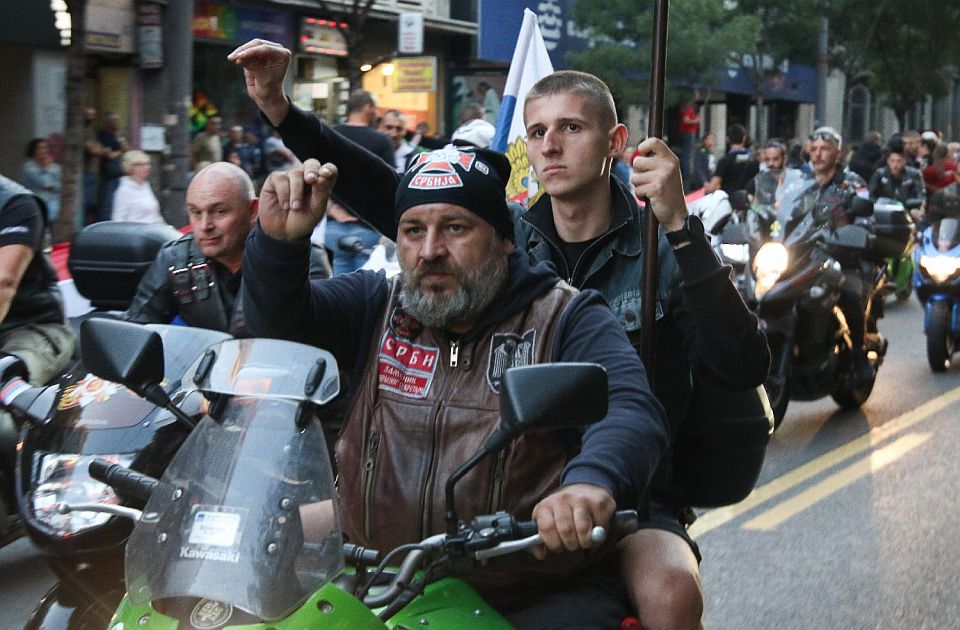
64 478
768 265
940 268
736 254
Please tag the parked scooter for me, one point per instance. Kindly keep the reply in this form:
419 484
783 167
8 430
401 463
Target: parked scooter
794 285
243 528
937 280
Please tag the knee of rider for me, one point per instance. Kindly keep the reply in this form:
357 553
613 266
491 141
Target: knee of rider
669 588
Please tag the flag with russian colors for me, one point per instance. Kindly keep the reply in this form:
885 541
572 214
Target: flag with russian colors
530 64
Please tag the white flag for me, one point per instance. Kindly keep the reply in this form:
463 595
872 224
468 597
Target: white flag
530 64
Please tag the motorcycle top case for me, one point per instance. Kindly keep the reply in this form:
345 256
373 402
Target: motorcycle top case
107 259
893 228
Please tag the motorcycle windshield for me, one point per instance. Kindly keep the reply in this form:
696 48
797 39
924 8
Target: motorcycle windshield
266 368
89 402
946 234
796 200
245 514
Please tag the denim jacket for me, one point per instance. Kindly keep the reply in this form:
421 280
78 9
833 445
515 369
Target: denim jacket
702 323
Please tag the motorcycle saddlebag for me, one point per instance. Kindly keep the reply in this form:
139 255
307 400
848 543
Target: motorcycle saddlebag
720 448
893 230
107 259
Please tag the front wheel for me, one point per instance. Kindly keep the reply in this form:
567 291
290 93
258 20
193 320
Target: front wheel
850 397
939 341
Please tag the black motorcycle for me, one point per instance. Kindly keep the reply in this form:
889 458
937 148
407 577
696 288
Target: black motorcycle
793 283
79 418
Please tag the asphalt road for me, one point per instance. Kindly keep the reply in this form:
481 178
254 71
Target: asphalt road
852 525
854 520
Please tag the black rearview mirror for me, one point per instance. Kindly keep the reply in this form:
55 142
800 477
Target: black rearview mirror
122 352
551 396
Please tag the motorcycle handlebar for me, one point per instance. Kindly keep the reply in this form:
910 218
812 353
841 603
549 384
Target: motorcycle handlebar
622 523
127 482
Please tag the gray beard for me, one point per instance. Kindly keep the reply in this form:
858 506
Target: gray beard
478 288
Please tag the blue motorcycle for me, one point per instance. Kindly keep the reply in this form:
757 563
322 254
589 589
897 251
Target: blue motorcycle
937 281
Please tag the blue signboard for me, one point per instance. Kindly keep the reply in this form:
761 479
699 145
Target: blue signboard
499 26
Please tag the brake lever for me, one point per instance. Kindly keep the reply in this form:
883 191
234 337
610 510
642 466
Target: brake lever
597 535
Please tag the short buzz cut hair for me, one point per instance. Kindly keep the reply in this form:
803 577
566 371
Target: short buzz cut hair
594 92
359 99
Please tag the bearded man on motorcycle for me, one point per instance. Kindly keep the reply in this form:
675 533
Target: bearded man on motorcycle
197 278
426 351
831 199
589 225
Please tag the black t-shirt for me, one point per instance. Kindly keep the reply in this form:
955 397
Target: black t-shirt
21 223
370 139
735 169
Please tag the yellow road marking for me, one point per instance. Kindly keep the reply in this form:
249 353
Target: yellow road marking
858 470
720 516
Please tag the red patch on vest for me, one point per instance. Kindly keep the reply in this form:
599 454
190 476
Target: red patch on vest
406 368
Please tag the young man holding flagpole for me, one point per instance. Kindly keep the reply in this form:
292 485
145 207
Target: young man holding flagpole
590 227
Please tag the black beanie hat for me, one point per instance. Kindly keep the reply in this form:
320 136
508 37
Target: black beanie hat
474 179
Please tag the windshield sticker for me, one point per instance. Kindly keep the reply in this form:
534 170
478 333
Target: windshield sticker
406 368
214 529
209 614
89 390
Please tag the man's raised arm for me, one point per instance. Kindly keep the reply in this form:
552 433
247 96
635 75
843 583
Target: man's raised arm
366 184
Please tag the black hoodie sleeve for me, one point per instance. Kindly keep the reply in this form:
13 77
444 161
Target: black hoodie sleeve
724 339
366 185
280 301
621 451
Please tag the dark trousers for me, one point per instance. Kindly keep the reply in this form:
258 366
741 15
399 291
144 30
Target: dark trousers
592 602
853 302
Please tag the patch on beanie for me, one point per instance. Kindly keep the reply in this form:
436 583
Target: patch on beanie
437 169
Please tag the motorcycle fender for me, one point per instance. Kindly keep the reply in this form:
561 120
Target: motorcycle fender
60 609
928 308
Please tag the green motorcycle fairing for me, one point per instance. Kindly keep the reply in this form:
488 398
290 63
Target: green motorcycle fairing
447 603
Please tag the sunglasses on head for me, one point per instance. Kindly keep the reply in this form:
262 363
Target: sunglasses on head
822 134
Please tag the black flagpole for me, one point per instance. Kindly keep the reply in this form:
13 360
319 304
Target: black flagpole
650 225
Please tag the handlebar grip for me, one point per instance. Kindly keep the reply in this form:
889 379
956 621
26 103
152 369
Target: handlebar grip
355 554
622 523
127 482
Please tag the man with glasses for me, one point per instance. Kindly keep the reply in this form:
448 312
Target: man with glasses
394 127
831 192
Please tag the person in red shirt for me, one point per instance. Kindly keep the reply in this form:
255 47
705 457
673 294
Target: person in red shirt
942 172
689 132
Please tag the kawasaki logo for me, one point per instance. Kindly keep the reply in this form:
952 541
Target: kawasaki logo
218 556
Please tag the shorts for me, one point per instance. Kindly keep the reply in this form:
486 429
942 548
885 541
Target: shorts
672 520
44 348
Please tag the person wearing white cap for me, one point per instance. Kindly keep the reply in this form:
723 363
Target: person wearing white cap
475 133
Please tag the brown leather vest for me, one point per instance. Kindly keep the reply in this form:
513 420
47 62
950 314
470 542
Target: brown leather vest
423 407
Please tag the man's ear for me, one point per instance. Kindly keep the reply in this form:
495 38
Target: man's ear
618 140
254 208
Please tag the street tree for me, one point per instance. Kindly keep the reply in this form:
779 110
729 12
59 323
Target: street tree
914 52
72 168
780 31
